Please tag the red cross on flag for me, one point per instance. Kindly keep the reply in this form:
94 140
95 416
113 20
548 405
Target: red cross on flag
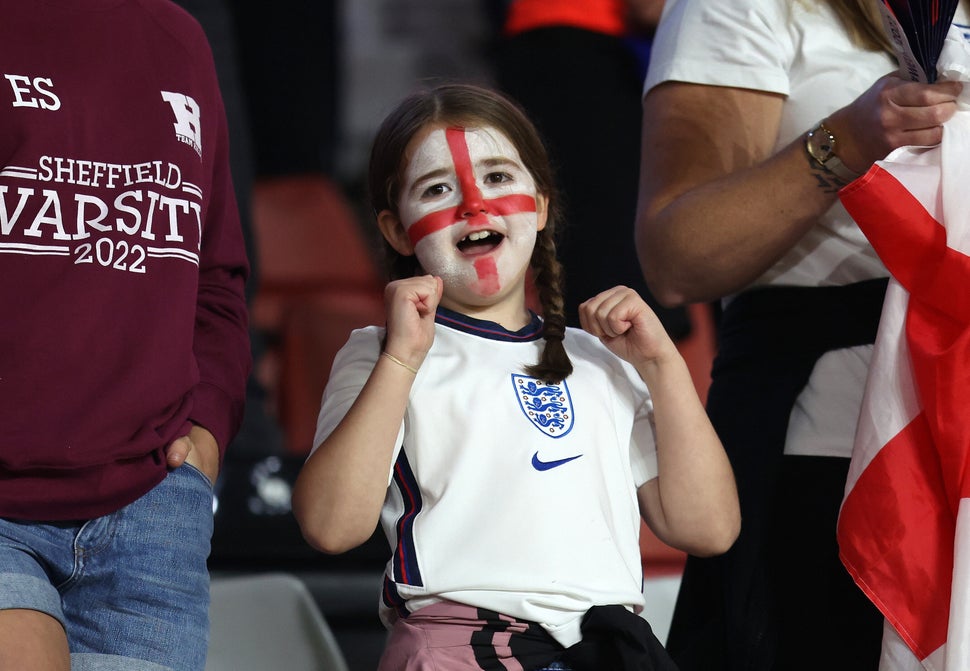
904 528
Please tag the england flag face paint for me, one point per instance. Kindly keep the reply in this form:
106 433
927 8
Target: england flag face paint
468 204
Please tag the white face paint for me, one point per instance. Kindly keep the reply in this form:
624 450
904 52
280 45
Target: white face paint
468 205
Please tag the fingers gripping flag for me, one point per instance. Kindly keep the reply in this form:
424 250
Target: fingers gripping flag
904 528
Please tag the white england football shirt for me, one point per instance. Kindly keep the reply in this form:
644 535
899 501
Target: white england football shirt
508 493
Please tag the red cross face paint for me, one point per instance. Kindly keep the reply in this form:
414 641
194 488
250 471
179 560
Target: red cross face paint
468 204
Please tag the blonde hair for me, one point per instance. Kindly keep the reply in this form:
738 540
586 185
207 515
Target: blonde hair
863 22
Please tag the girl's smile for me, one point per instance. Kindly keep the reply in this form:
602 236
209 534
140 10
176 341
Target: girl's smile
480 242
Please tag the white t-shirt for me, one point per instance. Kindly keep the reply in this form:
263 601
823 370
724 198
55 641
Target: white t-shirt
507 493
797 49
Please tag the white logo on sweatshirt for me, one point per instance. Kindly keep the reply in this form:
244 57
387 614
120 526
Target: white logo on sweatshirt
187 126
25 88
141 212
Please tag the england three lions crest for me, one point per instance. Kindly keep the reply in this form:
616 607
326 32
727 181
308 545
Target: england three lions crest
547 406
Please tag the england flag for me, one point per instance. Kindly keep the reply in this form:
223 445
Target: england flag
904 528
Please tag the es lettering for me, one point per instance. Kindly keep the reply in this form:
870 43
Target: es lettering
37 92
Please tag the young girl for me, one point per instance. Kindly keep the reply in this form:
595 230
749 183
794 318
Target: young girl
504 455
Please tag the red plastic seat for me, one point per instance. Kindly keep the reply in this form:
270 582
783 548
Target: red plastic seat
318 279
313 332
309 241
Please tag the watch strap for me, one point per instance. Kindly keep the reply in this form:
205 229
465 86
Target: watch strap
835 166
832 163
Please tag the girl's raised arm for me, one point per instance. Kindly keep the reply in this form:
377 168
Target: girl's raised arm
340 490
693 503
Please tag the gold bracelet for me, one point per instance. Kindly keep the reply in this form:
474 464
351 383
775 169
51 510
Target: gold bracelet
399 362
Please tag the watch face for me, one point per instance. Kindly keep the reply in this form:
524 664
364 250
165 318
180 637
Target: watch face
820 143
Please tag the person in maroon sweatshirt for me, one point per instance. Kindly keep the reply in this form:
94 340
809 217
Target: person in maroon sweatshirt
123 333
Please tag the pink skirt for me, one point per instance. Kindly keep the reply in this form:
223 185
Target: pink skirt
448 636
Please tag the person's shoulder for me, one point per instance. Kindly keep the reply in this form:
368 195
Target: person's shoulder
176 21
730 43
577 335
742 10
589 349
360 352
589 346
169 13
366 336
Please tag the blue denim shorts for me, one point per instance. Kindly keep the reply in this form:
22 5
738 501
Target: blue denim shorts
131 588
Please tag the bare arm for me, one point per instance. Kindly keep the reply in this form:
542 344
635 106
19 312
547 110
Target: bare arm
341 488
692 504
717 208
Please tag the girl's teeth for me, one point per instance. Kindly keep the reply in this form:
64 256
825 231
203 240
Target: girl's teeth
478 235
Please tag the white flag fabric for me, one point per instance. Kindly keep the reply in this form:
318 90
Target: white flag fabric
904 527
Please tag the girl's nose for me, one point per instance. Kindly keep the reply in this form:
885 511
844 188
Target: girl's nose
473 204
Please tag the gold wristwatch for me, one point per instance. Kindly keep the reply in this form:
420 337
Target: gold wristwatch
820 144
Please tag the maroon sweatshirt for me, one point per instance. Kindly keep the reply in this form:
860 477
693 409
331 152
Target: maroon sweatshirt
122 263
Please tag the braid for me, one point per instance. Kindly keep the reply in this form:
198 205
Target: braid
554 364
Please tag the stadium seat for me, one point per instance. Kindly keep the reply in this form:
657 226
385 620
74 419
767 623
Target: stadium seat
268 622
318 279
309 240
311 335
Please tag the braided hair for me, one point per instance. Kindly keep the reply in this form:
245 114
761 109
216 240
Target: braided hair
470 106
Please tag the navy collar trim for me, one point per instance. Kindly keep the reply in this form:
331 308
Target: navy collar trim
487 329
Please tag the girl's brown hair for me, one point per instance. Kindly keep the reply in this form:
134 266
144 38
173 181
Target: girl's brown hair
472 106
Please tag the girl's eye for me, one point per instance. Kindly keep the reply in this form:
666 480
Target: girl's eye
497 178
435 190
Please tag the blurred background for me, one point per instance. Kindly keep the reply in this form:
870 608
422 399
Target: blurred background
306 84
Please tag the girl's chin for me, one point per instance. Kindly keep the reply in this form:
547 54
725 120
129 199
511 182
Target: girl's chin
474 295
468 296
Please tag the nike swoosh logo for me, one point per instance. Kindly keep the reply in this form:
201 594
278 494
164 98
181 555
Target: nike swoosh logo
540 465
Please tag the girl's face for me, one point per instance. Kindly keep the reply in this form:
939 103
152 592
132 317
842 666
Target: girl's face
471 212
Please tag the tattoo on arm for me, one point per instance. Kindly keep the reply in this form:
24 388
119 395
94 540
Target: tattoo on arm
828 182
